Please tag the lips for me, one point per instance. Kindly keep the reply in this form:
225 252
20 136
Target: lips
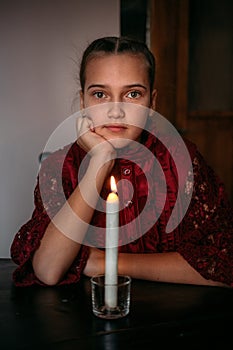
116 127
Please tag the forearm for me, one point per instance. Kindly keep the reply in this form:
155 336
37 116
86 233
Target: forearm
162 267
64 235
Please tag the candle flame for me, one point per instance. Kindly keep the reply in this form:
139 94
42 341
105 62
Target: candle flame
113 184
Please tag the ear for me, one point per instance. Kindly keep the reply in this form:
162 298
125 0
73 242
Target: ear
81 98
153 99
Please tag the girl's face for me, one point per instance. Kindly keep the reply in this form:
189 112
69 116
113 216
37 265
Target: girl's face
118 78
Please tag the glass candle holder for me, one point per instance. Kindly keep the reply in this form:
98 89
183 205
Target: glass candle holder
110 301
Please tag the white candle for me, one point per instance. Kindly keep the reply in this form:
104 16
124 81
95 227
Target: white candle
111 252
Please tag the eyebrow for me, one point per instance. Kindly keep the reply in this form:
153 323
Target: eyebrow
130 86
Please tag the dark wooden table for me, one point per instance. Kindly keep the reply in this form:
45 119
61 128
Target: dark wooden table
160 315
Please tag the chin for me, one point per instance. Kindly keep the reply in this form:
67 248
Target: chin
119 143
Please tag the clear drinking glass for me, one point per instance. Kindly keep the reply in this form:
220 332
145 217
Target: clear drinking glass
110 301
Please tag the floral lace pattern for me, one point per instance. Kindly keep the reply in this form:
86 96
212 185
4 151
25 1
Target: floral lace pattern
204 237
207 242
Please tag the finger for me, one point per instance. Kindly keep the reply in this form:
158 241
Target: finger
90 123
83 125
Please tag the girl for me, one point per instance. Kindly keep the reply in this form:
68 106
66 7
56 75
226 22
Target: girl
198 251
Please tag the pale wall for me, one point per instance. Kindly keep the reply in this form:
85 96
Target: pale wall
38 40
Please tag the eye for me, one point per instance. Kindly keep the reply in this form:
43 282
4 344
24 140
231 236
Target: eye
99 94
134 94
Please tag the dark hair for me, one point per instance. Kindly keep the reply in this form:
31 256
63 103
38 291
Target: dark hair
117 45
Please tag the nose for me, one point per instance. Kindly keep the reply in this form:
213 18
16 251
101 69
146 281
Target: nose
116 110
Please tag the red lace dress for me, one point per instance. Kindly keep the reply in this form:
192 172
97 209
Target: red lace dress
204 237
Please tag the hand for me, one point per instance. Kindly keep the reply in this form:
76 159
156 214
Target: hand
89 139
101 151
95 263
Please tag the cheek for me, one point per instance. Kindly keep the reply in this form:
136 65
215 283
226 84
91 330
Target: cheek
98 114
138 122
136 115
135 133
99 131
98 121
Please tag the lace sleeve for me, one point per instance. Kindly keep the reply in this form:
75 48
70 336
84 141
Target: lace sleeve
27 239
207 229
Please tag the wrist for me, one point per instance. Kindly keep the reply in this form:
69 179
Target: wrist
103 161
